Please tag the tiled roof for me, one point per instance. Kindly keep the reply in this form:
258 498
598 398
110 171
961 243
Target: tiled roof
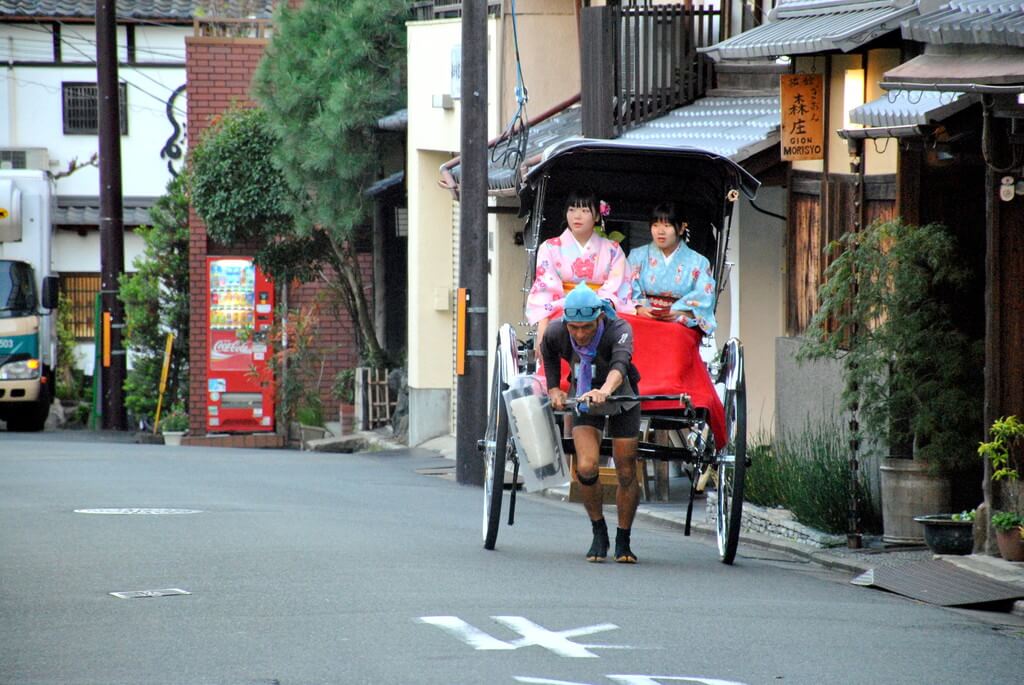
972 22
808 26
130 9
910 107
78 210
733 127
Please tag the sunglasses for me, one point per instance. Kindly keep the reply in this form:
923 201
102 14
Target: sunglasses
582 312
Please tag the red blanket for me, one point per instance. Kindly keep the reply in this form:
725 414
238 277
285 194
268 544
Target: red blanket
666 353
667 356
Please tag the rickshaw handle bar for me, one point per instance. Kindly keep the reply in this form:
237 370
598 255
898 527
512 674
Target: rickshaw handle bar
682 398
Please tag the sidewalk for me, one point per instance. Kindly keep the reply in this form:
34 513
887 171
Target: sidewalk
873 555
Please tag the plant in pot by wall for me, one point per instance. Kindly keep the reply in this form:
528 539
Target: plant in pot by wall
1002 452
174 426
949 533
890 313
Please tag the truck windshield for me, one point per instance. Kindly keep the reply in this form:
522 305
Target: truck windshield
17 290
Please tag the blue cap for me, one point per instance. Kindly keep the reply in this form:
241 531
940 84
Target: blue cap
583 305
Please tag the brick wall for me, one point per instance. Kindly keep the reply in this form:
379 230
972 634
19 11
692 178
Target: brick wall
219 72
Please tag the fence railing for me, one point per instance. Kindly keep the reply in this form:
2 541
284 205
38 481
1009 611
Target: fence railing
445 9
640 61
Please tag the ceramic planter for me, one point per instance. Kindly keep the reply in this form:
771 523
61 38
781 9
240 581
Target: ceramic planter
943 535
1011 545
173 437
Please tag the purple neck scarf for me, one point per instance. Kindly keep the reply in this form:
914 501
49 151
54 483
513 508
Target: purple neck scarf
586 355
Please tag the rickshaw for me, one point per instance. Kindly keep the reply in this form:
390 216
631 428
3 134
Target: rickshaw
633 178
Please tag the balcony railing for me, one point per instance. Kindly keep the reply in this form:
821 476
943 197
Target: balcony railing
446 9
640 61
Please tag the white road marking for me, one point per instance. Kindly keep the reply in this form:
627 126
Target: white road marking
632 680
471 635
557 641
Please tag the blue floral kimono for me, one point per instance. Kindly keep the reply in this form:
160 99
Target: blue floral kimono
682 281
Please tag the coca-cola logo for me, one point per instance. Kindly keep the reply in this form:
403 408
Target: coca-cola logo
223 349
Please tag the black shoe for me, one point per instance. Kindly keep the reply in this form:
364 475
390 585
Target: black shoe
623 554
599 547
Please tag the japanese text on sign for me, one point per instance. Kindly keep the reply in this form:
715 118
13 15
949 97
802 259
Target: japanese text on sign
803 126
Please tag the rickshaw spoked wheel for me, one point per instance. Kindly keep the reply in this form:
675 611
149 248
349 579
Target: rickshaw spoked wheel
496 446
732 460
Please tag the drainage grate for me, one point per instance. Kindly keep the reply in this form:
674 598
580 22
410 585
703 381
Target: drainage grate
149 512
939 582
140 594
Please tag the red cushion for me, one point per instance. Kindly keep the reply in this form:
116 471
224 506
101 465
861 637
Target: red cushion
667 356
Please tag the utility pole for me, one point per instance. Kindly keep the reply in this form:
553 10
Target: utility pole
111 215
471 387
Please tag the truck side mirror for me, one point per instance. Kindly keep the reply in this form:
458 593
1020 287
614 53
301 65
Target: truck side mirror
51 292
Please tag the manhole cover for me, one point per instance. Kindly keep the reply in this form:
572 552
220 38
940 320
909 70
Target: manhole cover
140 594
150 512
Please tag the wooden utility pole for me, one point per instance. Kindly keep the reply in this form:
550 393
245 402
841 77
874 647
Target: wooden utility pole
111 214
471 388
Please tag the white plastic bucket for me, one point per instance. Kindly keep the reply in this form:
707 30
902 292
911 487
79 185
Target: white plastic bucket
538 442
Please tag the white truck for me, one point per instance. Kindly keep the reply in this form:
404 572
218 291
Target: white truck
28 334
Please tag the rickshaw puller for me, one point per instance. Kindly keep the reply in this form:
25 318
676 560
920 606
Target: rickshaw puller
599 346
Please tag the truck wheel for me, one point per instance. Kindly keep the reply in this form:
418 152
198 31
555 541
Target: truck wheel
32 418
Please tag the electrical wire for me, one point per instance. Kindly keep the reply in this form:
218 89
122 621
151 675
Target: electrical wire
510 150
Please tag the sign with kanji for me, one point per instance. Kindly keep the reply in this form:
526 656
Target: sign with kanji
803 121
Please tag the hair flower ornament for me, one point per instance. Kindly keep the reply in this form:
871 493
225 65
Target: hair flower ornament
604 208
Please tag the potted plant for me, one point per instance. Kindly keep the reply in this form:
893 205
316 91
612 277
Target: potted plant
1001 451
174 426
1009 528
949 533
888 314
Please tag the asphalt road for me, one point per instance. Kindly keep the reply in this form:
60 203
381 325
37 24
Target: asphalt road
317 568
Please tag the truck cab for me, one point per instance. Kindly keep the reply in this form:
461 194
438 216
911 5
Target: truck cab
28 333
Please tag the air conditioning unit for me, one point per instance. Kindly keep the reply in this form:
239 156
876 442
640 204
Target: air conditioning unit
24 158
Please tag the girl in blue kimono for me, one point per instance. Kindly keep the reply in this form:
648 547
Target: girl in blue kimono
670 281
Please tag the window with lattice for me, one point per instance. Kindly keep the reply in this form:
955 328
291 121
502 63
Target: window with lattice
81 115
81 289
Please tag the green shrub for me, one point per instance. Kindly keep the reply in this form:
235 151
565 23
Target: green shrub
1007 520
68 378
809 474
175 421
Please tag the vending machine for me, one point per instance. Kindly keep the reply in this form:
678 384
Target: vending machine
240 314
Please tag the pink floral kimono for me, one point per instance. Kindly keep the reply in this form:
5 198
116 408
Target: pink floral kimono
562 264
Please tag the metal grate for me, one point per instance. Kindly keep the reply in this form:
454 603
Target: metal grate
81 289
939 582
81 113
13 159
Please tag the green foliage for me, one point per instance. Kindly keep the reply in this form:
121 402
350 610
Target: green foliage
1007 433
964 515
809 474
1007 520
910 370
68 379
176 421
333 68
156 303
345 386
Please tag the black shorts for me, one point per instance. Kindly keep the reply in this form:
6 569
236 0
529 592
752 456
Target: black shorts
625 424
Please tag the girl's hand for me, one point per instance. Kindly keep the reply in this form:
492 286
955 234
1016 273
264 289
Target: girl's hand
644 312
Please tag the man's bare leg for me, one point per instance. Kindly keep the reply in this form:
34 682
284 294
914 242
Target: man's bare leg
627 495
587 442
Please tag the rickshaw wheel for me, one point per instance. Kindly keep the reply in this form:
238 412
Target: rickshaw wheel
496 445
732 460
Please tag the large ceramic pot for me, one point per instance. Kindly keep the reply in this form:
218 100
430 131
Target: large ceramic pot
908 490
1011 545
943 535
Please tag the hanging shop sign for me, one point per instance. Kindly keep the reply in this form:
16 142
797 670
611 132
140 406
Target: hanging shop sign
803 120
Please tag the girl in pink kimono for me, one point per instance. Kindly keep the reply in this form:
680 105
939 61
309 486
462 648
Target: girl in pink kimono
578 256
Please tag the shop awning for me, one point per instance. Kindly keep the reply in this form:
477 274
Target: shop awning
957 70
799 27
970 22
910 108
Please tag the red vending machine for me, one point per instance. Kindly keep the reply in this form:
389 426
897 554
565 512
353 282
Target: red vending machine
240 315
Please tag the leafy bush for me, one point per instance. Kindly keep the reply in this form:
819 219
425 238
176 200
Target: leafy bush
1007 520
68 378
176 421
889 312
809 474
156 303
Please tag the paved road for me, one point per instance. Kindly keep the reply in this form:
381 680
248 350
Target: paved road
312 568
